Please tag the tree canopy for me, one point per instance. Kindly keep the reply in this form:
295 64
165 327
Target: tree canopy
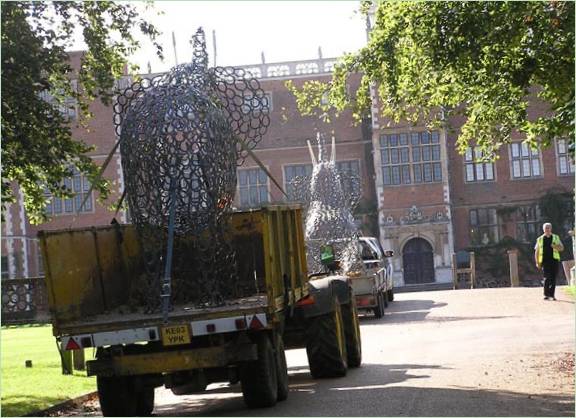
38 83
487 61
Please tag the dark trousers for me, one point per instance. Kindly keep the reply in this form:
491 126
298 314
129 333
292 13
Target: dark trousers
550 270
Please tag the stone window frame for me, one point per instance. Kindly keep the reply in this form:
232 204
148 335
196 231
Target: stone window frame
483 228
471 157
346 185
525 153
303 168
69 108
411 167
308 167
563 156
59 206
531 225
262 184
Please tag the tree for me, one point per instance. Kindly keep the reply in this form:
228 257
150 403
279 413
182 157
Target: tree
488 61
38 148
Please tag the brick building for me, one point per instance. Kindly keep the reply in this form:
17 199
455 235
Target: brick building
20 252
423 199
283 151
433 201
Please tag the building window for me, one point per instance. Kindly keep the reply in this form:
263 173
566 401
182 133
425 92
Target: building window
293 171
410 158
349 172
525 161
253 187
39 259
483 227
527 223
349 175
477 171
5 268
68 108
79 185
565 163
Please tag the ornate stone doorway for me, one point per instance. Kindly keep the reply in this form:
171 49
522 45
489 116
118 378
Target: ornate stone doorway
418 262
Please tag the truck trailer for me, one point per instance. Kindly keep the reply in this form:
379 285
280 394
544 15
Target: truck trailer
90 273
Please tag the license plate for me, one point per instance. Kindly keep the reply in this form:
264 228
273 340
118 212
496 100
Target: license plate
176 335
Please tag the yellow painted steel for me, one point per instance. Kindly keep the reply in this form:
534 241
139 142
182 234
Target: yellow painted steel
89 271
165 361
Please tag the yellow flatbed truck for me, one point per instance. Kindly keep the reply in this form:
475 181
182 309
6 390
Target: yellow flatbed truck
90 273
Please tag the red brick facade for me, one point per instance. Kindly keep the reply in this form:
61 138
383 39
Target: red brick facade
432 217
446 214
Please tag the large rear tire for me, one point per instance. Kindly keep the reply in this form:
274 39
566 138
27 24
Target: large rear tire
259 378
281 369
145 401
379 309
117 396
326 344
353 339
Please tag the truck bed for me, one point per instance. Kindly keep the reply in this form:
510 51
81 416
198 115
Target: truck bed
123 318
96 277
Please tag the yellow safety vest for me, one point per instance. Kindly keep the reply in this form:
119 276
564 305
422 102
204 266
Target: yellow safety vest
540 243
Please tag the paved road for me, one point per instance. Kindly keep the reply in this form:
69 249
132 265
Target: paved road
485 352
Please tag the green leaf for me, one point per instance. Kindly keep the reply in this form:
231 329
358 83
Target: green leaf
38 147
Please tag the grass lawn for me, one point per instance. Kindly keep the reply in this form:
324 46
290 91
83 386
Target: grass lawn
571 291
26 390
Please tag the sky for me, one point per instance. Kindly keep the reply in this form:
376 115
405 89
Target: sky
282 30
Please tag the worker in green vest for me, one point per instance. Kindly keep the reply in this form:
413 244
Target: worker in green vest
547 257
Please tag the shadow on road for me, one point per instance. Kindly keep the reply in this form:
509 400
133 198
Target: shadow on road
404 311
373 390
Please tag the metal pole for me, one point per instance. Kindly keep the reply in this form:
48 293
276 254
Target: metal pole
174 46
167 282
214 45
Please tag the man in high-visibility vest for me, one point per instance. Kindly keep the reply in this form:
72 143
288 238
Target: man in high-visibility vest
547 257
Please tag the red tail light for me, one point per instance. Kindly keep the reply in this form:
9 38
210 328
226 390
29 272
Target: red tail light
72 344
365 301
308 300
255 323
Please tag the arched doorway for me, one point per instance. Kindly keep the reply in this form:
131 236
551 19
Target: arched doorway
418 261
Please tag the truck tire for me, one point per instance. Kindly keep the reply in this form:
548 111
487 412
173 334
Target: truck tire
379 309
281 369
352 329
259 378
326 344
390 295
117 396
145 401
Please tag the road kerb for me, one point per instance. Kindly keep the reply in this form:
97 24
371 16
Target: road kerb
70 403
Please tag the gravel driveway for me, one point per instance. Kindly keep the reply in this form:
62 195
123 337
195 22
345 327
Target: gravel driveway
484 352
